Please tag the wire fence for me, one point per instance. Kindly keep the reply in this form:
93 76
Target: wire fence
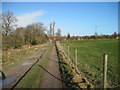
73 55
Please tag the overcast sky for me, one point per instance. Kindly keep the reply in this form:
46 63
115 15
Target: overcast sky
78 18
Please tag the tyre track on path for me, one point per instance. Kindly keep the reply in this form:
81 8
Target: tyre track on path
52 77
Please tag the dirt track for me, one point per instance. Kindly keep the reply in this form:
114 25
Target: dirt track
52 78
17 72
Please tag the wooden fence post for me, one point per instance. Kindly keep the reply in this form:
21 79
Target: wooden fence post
76 58
63 47
68 51
105 56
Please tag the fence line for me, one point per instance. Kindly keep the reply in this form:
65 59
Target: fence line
105 61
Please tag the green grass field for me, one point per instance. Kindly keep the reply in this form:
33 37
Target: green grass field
90 59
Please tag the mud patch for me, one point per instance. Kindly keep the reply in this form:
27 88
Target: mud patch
7 81
27 63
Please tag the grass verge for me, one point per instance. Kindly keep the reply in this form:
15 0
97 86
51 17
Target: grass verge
66 73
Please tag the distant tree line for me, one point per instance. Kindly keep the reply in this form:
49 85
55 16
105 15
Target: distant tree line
92 37
13 37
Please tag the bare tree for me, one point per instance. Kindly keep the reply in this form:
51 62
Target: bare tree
53 27
115 35
68 36
8 22
58 33
51 30
35 33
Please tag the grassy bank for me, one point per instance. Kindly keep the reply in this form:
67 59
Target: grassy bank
67 73
90 59
35 75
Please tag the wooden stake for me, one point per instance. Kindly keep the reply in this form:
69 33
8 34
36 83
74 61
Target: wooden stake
105 69
76 58
68 51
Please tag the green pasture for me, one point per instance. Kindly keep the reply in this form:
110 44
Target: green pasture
90 59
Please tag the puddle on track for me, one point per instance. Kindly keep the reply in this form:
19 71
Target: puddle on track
7 81
34 58
27 63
